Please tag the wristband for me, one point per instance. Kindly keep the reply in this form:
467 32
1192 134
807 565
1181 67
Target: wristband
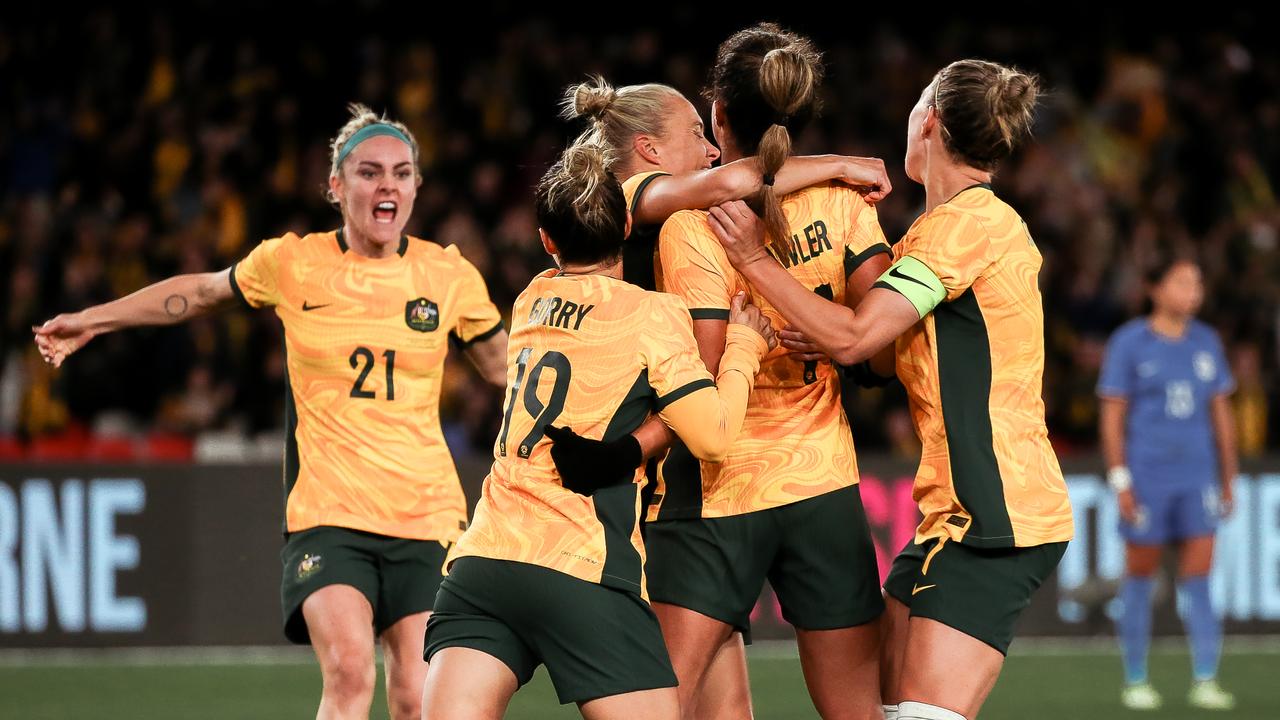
1119 478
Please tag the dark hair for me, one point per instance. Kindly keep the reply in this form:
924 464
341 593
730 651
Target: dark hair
581 206
1158 271
985 110
766 80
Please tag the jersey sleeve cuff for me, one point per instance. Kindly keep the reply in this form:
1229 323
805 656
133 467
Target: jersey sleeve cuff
464 344
235 287
709 314
644 185
687 389
853 262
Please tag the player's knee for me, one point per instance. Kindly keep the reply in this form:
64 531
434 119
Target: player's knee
1193 571
349 675
404 697
1193 565
1142 565
405 703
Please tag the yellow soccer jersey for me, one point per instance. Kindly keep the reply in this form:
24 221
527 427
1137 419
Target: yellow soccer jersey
796 442
366 341
597 355
973 368
640 252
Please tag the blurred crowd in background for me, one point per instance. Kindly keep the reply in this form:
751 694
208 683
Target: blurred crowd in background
133 149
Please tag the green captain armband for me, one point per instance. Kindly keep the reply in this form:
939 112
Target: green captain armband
914 281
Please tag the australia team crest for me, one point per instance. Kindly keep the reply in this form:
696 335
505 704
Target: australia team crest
422 315
310 565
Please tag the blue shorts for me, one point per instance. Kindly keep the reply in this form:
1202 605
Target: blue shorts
1168 515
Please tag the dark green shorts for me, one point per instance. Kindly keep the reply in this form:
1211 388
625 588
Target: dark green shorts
398 576
978 591
595 641
817 555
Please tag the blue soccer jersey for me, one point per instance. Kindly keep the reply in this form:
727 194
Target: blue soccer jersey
1168 383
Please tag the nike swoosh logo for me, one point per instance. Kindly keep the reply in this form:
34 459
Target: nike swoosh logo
917 588
894 272
306 307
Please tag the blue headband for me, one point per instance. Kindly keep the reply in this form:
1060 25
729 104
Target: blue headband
367 132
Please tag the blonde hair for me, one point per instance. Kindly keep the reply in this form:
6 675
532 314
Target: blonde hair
618 115
985 110
766 79
581 206
361 118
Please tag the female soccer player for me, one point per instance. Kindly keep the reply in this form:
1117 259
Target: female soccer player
659 151
784 505
962 302
372 497
1169 440
555 575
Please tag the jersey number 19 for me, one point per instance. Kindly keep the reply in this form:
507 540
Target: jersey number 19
542 414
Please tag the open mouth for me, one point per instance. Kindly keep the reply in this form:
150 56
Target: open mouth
384 212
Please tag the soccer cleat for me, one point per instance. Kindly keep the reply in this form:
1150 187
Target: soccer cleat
1140 696
1209 695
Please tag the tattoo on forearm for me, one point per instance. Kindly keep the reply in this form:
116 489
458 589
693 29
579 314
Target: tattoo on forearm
175 306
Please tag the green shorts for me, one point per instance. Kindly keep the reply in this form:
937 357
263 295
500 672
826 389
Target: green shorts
399 577
595 641
978 591
817 555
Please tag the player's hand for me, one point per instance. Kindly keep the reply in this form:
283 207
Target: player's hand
61 336
1226 500
869 175
800 346
743 313
740 232
587 465
1128 507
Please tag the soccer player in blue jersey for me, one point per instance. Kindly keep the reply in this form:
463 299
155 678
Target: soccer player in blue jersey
1169 443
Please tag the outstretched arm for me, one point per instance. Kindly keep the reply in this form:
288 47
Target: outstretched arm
167 302
740 179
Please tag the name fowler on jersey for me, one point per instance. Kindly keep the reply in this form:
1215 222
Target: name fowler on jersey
815 243
557 312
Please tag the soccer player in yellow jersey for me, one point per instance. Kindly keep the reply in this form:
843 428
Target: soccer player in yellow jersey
784 504
659 151
961 302
372 497
547 574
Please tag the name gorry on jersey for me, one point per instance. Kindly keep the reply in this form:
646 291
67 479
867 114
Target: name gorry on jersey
554 311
